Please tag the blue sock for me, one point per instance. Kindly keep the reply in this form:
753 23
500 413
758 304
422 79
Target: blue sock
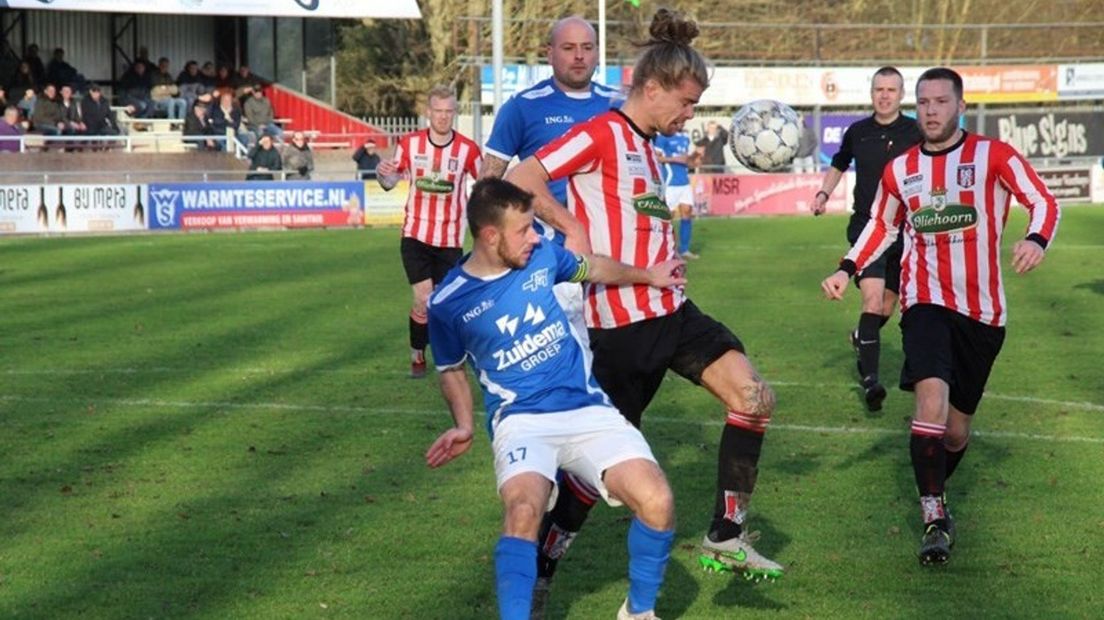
648 553
516 573
684 235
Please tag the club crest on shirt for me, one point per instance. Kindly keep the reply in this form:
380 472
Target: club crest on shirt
453 165
966 176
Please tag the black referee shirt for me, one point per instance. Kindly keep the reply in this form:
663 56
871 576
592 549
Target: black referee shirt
872 145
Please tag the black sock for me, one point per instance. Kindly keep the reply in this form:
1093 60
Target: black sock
737 469
419 332
870 346
559 528
929 458
953 459
882 323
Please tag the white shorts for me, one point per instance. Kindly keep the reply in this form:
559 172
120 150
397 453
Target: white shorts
585 442
570 297
679 195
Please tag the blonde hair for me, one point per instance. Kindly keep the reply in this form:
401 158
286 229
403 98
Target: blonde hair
668 57
440 91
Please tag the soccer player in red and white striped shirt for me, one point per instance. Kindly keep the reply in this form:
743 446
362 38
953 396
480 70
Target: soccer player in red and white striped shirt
615 207
438 161
952 195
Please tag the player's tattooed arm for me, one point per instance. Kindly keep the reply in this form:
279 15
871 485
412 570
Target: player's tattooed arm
492 167
531 176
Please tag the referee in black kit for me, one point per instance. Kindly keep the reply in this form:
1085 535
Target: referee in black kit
872 143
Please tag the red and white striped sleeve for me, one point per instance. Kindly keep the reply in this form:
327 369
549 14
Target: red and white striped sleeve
1021 179
401 158
886 214
577 151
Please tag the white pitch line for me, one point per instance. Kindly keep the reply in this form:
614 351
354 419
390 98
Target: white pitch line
1083 405
799 428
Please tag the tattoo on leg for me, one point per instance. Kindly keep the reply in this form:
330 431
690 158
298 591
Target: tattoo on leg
759 397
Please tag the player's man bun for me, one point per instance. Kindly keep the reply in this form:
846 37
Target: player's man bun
672 27
668 57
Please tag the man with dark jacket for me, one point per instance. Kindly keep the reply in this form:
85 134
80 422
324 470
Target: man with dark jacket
264 159
198 128
98 116
367 159
135 87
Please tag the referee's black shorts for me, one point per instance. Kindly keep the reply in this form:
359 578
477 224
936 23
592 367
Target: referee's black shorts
888 265
941 343
630 361
427 262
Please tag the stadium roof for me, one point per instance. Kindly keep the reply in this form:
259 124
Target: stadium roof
401 9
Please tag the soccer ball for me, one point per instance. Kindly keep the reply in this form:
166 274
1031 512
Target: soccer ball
764 135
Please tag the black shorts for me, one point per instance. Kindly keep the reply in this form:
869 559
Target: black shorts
944 344
888 265
630 361
426 262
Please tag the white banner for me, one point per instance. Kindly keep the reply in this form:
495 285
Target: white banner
72 208
824 86
403 9
1081 81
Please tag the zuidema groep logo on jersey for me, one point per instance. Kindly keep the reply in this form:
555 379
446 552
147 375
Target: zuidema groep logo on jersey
537 345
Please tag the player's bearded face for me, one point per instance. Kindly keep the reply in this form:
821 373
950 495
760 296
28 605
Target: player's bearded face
672 108
516 238
938 109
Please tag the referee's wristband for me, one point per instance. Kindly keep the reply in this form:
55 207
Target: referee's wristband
819 192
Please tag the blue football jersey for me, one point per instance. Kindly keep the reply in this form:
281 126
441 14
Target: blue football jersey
674 175
540 114
515 336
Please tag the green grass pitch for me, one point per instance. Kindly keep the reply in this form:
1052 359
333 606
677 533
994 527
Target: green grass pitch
220 426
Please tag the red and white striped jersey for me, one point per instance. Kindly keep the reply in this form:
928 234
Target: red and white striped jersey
954 206
435 206
614 190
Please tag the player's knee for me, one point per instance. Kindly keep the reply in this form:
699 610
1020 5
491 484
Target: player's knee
955 439
656 506
755 398
523 517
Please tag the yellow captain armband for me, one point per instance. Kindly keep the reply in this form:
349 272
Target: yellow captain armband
582 269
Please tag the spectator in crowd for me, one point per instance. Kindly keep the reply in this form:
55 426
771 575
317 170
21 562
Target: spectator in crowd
227 118
10 130
62 73
298 158
712 147
165 92
247 83
70 113
805 158
26 105
259 114
264 159
207 74
48 118
38 70
24 78
225 79
366 160
3 98
99 119
135 87
198 128
189 81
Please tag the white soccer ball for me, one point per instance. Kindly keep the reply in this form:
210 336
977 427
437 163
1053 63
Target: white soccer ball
764 135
